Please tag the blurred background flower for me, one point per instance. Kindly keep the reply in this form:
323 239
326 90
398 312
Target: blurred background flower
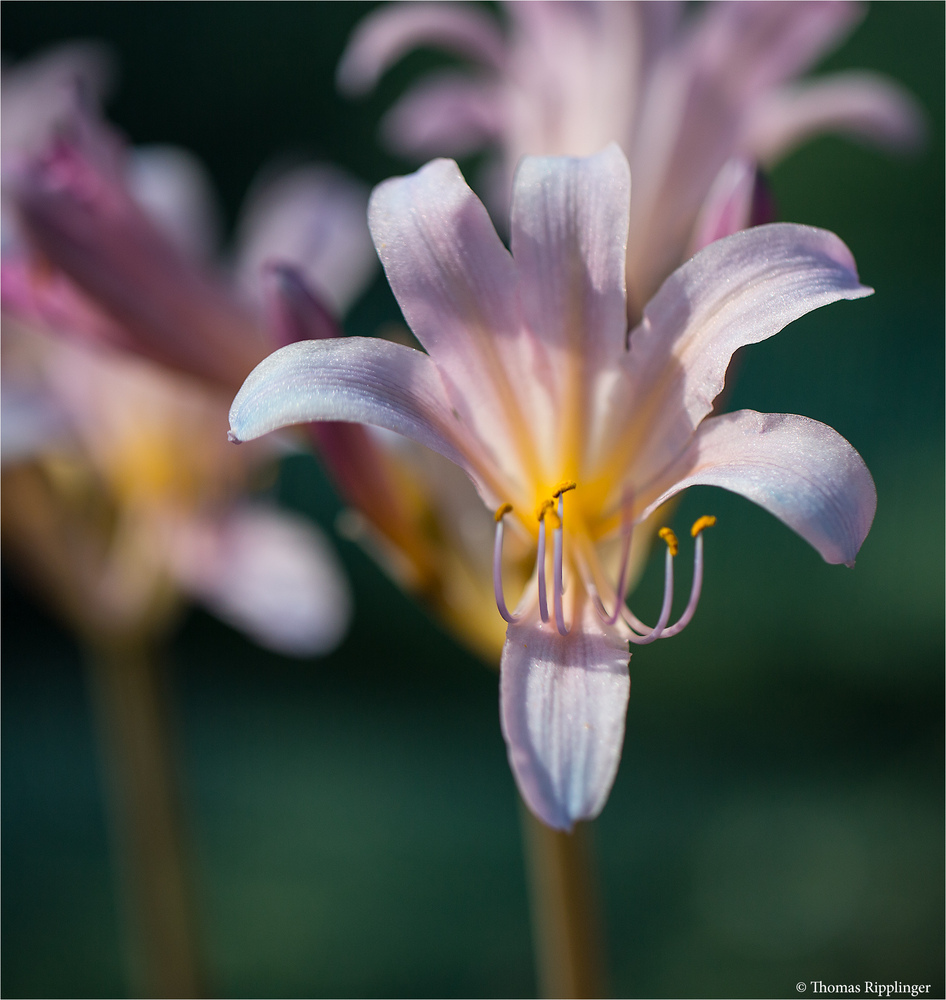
781 815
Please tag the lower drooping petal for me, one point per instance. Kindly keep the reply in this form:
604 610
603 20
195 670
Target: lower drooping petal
563 700
268 573
798 469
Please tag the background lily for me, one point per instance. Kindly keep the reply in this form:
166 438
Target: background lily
695 100
122 341
110 248
568 425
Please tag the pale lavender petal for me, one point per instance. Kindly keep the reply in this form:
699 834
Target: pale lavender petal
389 33
728 206
693 112
563 702
456 285
313 218
798 469
751 45
737 291
447 114
355 379
862 105
174 188
44 94
569 240
267 572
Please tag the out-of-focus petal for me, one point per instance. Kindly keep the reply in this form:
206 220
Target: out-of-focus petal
365 473
174 188
31 421
798 469
350 379
863 105
728 206
269 573
563 701
456 285
448 114
391 32
83 221
748 46
737 291
313 218
43 95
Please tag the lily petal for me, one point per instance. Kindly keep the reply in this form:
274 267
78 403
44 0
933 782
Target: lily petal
356 379
737 291
271 574
448 114
863 105
314 218
391 32
798 469
569 240
563 701
456 285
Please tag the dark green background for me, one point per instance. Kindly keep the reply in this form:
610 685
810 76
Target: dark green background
778 815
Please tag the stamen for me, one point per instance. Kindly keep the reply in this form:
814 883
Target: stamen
563 487
657 631
701 523
540 560
671 539
558 586
621 589
707 521
501 512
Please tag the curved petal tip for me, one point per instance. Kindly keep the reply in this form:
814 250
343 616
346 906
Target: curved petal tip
563 701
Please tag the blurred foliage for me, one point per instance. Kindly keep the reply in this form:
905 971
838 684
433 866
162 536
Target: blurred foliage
778 813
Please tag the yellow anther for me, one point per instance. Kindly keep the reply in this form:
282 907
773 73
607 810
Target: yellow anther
543 509
671 539
563 487
706 521
502 510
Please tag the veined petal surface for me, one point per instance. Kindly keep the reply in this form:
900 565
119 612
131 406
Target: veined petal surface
563 700
798 469
457 286
569 240
353 379
737 291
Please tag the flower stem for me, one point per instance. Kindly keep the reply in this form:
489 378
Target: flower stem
566 920
127 683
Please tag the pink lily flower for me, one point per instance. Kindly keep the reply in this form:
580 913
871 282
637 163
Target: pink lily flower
123 345
571 428
696 101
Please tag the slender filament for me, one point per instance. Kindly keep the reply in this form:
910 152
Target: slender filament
498 565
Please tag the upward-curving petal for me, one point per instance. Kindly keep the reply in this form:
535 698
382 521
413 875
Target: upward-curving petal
798 469
737 291
864 105
563 700
457 286
569 240
388 33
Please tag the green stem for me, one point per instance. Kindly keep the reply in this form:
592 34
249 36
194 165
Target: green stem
566 920
127 683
